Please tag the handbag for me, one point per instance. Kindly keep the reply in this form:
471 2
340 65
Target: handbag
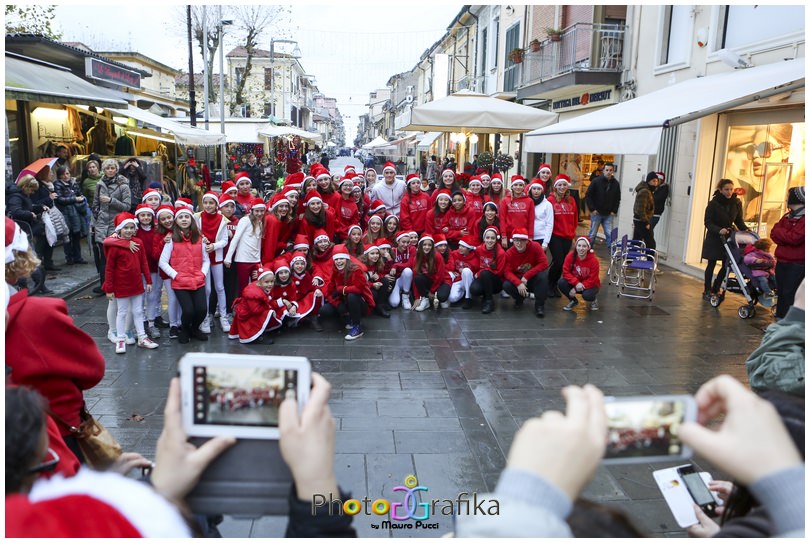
50 230
99 447
59 222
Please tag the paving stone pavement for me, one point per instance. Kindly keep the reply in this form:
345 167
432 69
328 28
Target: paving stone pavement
441 395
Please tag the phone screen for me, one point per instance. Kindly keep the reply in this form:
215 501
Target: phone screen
644 428
697 488
241 396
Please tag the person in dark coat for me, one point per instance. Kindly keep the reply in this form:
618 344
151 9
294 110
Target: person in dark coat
254 172
788 234
135 172
723 214
660 196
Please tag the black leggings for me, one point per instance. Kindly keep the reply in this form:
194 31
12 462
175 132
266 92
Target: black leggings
352 308
423 284
538 285
44 250
231 286
486 285
589 294
381 295
100 260
559 248
192 303
707 276
789 276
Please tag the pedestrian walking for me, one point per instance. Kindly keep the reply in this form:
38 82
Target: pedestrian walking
723 214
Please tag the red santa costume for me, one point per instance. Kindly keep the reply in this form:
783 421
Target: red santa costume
465 263
517 211
308 302
254 312
414 208
437 221
326 218
475 200
322 265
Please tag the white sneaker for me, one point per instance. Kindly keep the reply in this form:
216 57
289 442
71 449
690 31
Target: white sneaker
406 302
504 294
445 305
146 343
112 336
423 304
131 339
205 327
594 305
225 323
435 302
120 346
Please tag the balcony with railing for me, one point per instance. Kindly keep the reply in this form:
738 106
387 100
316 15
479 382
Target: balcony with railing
585 53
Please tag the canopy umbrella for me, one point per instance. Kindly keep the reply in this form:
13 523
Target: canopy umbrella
185 135
36 167
272 131
379 141
467 111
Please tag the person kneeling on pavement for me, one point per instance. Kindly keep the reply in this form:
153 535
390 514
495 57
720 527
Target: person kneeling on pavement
580 275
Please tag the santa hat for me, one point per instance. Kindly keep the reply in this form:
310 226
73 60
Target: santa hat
439 239
352 227
536 182
16 240
344 180
307 177
340 251
543 167
475 179
385 220
484 174
141 208
441 192
490 204
258 203
427 237
183 203
312 196
375 218
180 210
150 192
212 195
277 200
225 199
228 186
562 178
413 177
497 177
370 248
517 179
286 191
301 242
586 240
319 235
383 243
348 168
468 241
661 176
493 229
240 176
294 179
451 170
371 170
164 209
321 173
357 186
403 235
123 219
298 255
390 166
264 269
520 233
280 264
376 206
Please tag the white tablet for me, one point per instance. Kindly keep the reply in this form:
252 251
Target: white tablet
239 395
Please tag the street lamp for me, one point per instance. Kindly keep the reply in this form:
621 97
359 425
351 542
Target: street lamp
224 150
296 54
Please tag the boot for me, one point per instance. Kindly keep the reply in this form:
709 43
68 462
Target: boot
316 323
539 311
467 303
382 311
488 306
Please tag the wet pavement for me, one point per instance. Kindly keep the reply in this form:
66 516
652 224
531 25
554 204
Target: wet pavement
441 395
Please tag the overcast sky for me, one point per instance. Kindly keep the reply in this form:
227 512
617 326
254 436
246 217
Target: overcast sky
351 49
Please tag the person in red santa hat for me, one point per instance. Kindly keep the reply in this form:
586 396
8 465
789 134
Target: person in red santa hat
163 233
448 181
430 278
378 280
437 221
377 207
401 272
415 205
492 261
516 211
544 175
152 198
229 188
391 229
460 219
391 190
526 271
146 234
186 261
316 217
123 282
244 196
346 213
322 257
227 207
543 213
475 198
580 275
285 290
443 251
255 312
327 191
302 245
354 242
310 295
374 231
245 249
361 200
563 232
278 227
214 229
497 190
489 218
465 265
348 293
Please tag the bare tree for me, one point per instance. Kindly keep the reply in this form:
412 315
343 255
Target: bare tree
212 43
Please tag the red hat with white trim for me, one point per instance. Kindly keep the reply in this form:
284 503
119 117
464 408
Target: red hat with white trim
475 179
517 178
562 178
264 269
312 196
492 229
344 180
426 237
451 170
390 166
497 177
277 200
212 195
383 243
546 167
240 176
286 191
144 208
320 235
165 208
294 179
348 168
321 172
123 219
413 177
301 242
257 203
375 218
520 233
490 204
372 247
536 182
280 264
340 251
183 202
376 206
16 240
228 186
370 170
482 175
586 240
149 193
661 176
468 241
441 192
298 255
403 235
439 239
354 227
225 199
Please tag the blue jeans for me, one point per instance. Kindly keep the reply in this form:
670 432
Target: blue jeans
607 227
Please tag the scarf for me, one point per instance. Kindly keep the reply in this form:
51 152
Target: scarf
538 199
210 225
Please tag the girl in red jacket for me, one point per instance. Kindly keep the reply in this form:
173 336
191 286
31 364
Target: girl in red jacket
378 280
254 312
402 272
322 265
788 234
489 279
122 281
310 295
496 189
278 225
413 210
327 191
429 277
354 241
475 199
147 235
437 222
373 231
316 217
465 266
517 211
349 293
580 275
460 219
346 213
165 223
185 260
563 232
391 228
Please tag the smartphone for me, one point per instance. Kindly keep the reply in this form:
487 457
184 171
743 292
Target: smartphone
646 428
239 395
697 488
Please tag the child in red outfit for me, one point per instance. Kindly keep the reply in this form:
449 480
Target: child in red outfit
430 277
254 312
310 296
580 275
349 292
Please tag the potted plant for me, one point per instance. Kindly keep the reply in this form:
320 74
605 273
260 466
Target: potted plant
534 45
554 34
516 55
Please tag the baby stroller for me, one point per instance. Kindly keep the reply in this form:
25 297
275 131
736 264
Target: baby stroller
738 275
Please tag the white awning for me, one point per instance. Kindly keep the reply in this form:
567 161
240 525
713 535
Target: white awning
635 126
427 140
185 135
272 131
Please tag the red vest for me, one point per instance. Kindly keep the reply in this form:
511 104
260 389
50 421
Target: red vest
187 261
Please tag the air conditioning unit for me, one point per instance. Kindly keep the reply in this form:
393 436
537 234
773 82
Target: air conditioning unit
409 99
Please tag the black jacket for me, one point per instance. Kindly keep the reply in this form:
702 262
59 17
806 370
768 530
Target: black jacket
660 196
137 181
21 209
721 213
603 196
255 174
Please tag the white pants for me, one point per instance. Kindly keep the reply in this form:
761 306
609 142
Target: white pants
175 313
135 303
403 283
217 273
153 298
112 314
461 289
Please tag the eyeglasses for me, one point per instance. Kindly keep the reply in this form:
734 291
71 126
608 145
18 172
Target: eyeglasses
764 149
47 465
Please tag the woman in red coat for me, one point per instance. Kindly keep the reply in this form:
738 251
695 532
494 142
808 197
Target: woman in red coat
254 312
309 295
429 275
580 275
346 212
517 211
316 217
492 261
348 292
322 265
460 219
563 232
415 206
278 223
437 220
475 199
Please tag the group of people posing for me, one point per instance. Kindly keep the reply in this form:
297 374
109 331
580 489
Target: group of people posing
342 247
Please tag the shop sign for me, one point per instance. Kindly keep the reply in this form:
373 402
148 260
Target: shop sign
97 69
585 100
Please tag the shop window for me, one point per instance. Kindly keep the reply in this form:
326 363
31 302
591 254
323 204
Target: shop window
676 35
482 67
742 25
510 74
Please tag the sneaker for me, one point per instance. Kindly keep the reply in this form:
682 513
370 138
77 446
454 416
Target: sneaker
205 327
435 302
707 296
355 333
595 305
406 302
131 338
571 305
153 332
120 346
146 343
225 323
112 336
445 305
174 332
422 304
348 327
160 323
659 271
216 314
504 294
